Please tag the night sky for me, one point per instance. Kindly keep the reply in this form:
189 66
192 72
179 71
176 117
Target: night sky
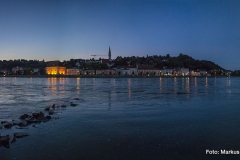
61 30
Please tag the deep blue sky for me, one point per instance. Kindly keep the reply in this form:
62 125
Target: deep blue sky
61 30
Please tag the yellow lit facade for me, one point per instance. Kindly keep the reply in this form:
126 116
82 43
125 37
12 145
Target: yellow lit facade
56 70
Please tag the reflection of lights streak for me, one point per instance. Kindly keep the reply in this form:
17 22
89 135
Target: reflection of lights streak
206 82
187 86
129 88
78 85
228 81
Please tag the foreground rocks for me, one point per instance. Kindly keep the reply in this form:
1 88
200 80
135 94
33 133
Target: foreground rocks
25 120
4 141
20 134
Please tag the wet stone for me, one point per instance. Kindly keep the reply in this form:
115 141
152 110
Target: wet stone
13 140
48 117
8 125
3 122
22 124
51 112
47 109
4 141
21 127
20 134
64 106
73 105
23 117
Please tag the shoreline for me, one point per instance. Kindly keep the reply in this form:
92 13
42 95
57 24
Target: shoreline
99 76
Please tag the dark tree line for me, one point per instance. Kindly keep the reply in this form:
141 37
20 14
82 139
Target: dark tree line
181 60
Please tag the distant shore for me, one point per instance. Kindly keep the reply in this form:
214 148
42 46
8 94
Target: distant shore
104 76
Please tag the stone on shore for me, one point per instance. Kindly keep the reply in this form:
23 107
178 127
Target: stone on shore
4 141
13 140
72 104
23 117
8 125
47 109
20 134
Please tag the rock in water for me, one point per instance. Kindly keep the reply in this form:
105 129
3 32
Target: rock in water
72 104
4 141
47 109
8 125
23 117
13 140
22 124
51 112
48 117
20 134
64 106
53 106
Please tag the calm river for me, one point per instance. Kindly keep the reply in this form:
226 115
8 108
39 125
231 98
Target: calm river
123 118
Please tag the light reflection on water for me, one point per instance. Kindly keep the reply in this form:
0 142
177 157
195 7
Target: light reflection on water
143 118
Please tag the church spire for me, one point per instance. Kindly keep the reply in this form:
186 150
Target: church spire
109 54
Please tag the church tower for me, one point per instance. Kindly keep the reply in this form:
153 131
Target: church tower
109 55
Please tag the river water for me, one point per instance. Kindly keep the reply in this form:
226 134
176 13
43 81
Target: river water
123 118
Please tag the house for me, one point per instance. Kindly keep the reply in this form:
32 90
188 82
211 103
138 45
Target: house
4 71
167 71
88 72
54 68
203 72
133 70
17 69
99 71
122 70
184 72
146 69
73 71
195 73
109 71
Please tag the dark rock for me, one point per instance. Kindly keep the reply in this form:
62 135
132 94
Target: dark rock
48 117
23 117
8 125
21 127
34 126
51 112
38 115
31 121
47 109
41 116
72 104
20 134
3 122
53 106
76 99
35 115
13 140
4 141
22 124
64 106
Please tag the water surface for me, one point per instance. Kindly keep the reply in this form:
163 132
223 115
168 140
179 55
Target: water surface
124 118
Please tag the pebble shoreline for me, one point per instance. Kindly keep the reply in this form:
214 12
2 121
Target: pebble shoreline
25 121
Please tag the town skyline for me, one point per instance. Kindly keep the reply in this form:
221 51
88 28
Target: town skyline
61 30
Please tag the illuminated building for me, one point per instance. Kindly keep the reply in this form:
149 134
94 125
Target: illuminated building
54 68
